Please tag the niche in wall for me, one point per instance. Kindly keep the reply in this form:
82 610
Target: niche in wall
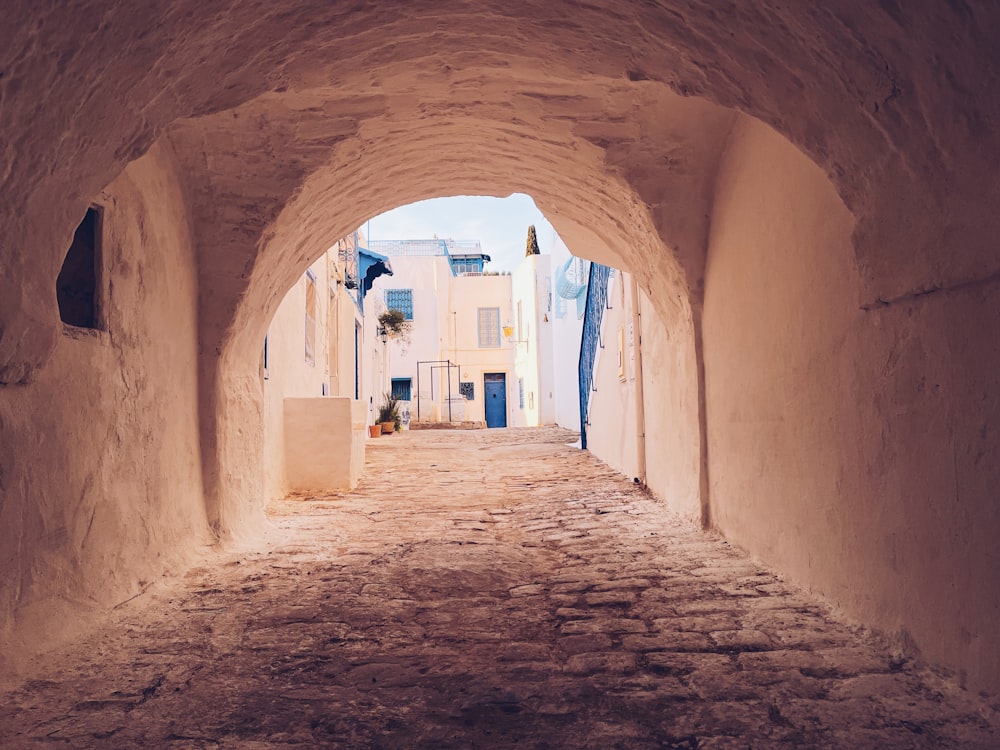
77 283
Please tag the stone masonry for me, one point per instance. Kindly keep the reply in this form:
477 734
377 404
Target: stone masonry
484 589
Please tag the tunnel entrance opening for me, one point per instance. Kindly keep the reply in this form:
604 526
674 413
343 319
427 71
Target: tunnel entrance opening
439 289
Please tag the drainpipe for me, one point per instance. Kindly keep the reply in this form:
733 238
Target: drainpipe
640 406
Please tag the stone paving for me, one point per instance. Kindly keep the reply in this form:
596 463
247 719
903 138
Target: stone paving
485 589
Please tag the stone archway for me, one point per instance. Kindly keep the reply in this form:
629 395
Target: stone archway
592 200
222 134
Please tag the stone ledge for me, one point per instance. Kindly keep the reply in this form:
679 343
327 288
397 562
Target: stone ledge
447 425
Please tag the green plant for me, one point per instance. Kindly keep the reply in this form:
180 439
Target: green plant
395 323
388 411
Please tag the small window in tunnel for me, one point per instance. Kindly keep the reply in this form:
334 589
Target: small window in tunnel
76 285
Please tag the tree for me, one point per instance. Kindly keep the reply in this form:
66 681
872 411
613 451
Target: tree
532 248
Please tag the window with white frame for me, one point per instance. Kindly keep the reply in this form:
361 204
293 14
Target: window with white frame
489 327
400 299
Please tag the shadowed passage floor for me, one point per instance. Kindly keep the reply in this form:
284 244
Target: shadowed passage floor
484 589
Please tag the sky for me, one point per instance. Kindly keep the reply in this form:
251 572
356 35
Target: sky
500 224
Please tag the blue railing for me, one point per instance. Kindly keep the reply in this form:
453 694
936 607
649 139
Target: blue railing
597 301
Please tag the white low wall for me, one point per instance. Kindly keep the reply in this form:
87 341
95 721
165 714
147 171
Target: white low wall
324 443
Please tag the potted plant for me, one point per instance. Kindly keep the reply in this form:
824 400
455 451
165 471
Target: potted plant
388 413
374 430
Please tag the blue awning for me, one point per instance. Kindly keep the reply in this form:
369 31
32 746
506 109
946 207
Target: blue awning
370 267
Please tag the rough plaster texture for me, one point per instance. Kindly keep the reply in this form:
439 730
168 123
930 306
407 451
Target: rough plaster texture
99 471
294 122
430 613
612 432
674 467
670 400
865 436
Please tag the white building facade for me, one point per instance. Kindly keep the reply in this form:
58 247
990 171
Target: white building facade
480 347
532 336
569 296
635 395
322 369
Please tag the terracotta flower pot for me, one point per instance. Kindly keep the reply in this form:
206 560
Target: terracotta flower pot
374 430
388 427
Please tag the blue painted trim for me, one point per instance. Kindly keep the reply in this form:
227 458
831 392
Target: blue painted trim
597 299
370 267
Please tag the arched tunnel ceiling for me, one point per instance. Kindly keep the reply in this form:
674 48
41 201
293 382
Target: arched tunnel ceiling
301 169
893 102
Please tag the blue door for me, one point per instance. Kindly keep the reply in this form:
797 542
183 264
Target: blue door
495 392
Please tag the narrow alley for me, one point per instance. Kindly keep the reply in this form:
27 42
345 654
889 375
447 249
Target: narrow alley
484 589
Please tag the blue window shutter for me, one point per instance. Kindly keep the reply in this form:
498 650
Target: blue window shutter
400 299
401 389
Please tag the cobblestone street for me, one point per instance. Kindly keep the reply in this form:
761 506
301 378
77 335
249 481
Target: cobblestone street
484 589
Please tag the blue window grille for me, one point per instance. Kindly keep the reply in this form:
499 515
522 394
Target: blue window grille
468 390
489 327
401 389
400 299
520 393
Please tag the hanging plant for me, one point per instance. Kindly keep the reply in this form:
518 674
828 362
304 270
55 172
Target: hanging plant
395 323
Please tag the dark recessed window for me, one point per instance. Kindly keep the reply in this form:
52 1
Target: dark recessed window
76 286
401 389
